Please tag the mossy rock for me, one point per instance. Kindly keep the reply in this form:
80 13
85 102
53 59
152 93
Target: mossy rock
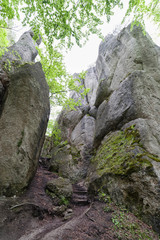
122 153
60 187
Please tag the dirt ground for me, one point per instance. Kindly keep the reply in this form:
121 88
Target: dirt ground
34 217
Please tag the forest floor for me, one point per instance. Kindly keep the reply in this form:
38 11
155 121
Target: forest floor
34 217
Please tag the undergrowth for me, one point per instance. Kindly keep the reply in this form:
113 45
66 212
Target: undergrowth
126 226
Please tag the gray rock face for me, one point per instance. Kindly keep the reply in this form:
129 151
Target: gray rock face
91 82
65 161
67 121
124 95
71 161
129 173
118 110
140 194
121 55
60 187
24 50
83 134
22 126
137 97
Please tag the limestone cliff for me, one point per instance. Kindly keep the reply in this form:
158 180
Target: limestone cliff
24 112
113 139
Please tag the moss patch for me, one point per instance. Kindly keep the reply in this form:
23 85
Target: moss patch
121 153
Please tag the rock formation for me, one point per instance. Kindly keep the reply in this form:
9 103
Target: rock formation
24 113
113 138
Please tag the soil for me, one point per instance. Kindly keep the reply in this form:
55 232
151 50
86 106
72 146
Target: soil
32 216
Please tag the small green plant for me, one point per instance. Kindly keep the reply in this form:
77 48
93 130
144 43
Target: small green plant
127 227
104 197
7 65
107 208
117 219
56 134
63 201
3 41
82 75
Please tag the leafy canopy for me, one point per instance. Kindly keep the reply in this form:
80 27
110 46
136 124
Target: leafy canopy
69 20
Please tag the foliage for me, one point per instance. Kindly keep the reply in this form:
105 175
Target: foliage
63 22
140 9
125 226
63 200
55 73
3 41
67 21
104 197
59 81
56 134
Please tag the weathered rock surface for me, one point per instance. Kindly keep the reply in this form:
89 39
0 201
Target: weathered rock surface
23 119
125 170
67 121
121 55
136 97
65 161
61 187
24 50
22 125
124 96
77 128
83 134
91 82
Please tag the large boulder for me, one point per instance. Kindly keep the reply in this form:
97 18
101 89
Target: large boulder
83 134
127 172
121 128
136 97
61 187
77 131
66 161
72 160
67 120
23 119
127 163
